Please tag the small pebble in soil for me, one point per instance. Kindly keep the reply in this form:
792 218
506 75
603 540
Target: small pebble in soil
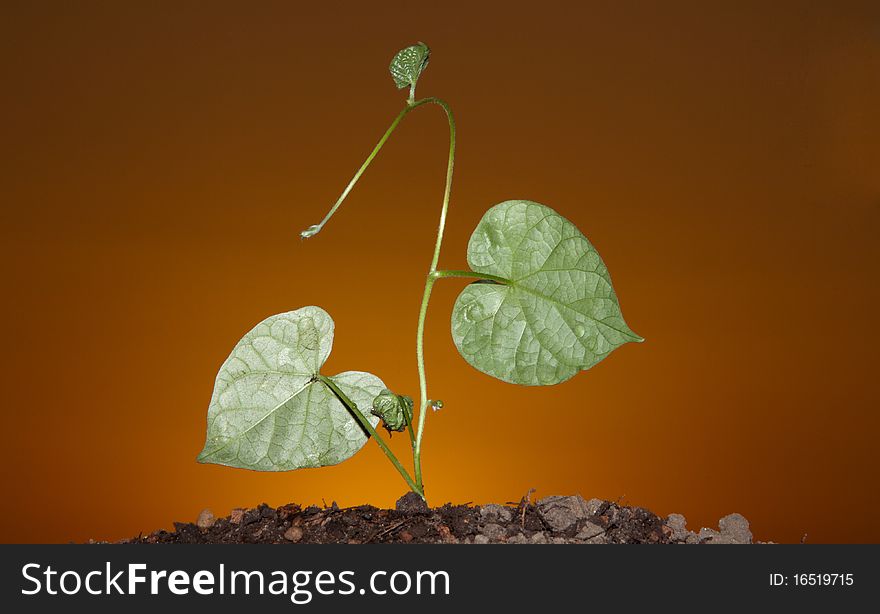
493 512
591 533
445 534
538 538
678 524
293 534
563 513
736 527
733 529
493 531
206 519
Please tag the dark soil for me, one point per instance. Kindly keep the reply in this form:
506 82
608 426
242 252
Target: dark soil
549 520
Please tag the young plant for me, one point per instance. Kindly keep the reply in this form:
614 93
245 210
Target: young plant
540 310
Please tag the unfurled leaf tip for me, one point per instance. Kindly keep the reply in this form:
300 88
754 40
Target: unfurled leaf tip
407 65
311 231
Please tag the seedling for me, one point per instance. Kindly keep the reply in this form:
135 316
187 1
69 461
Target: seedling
541 309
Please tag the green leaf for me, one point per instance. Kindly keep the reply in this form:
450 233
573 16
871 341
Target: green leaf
408 64
555 313
270 413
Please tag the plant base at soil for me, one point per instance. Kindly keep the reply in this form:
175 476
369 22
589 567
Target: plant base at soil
552 520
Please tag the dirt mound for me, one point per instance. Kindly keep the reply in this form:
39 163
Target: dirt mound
556 520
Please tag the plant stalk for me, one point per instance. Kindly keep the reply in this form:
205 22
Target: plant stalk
426 295
433 274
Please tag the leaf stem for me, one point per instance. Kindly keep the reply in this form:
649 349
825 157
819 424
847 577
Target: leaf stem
470 274
410 105
313 230
409 429
353 408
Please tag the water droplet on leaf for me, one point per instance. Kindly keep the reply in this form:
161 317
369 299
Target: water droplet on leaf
493 239
474 312
579 330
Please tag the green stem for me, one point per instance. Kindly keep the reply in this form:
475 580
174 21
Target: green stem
409 429
426 295
431 277
313 230
353 408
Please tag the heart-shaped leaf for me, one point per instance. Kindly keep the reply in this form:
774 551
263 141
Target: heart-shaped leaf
555 312
269 412
408 64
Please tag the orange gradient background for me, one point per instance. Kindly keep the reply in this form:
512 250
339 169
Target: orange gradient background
159 159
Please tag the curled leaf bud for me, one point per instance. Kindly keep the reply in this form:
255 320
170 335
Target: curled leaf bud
395 410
